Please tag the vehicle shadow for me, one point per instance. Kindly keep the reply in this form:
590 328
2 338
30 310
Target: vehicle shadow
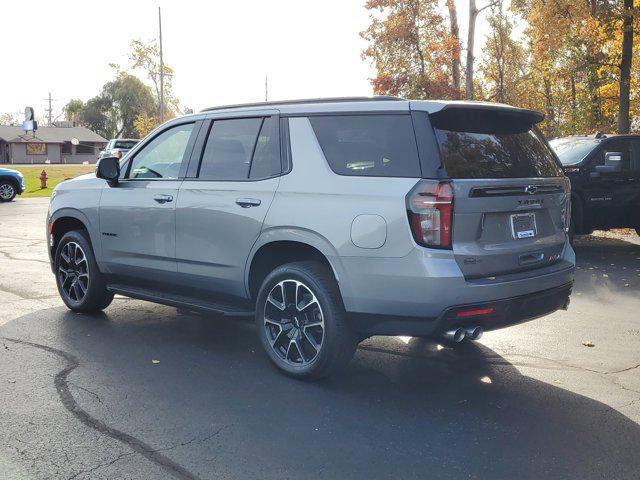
606 267
404 407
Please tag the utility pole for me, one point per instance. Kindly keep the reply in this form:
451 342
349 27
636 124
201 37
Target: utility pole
161 69
49 110
266 88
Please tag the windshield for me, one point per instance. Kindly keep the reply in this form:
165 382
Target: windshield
125 144
573 151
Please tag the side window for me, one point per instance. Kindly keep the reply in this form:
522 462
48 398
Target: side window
227 154
368 145
634 155
266 157
615 145
162 156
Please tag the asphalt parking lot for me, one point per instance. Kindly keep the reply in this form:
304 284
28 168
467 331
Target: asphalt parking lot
145 392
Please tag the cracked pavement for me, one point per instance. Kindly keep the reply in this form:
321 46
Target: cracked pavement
80 396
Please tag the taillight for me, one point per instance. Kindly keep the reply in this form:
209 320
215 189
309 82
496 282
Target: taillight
119 154
430 211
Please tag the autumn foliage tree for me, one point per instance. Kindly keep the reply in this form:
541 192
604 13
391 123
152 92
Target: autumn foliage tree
410 46
574 60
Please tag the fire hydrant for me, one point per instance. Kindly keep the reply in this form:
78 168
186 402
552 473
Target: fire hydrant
43 179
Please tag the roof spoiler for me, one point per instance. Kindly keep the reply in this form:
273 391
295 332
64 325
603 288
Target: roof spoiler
531 116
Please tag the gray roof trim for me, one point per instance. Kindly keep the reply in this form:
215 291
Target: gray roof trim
377 98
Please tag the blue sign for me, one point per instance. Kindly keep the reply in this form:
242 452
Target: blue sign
29 125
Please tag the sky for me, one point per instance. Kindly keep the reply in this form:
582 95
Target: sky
220 50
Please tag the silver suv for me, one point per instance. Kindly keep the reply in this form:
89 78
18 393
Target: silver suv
328 221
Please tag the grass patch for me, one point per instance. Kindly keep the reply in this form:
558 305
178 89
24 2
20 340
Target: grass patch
56 174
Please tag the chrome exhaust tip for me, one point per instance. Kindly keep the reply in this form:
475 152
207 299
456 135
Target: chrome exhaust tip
455 335
473 333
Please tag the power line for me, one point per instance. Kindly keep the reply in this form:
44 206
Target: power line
49 110
266 88
161 69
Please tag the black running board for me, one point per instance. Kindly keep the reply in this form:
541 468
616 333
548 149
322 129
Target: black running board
179 301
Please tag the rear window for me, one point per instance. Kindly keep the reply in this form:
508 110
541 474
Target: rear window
368 145
125 144
490 144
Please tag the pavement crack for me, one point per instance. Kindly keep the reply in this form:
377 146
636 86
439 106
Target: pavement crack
195 440
87 390
101 465
17 259
61 384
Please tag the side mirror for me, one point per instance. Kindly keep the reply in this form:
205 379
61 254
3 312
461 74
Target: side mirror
612 163
108 168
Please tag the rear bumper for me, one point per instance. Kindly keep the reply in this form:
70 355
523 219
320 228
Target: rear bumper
504 313
413 295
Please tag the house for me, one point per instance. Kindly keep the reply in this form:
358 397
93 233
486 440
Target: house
52 144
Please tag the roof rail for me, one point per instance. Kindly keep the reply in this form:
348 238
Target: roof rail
306 100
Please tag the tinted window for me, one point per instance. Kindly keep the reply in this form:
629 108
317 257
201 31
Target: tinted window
227 154
368 145
266 157
630 150
485 144
84 148
573 151
162 156
125 144
634 155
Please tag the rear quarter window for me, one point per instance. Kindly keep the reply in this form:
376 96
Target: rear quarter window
489 144
368 145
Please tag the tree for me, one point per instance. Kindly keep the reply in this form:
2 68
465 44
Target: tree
128 98
503 66
455 44
471 34
625 68
113 113
96 116
146 57
144 124
73 111
409 47
9 119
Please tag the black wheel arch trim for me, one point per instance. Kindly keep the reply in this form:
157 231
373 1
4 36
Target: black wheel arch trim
80 217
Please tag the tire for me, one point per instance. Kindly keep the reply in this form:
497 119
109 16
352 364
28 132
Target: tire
311 340
576 220
8 190
80 284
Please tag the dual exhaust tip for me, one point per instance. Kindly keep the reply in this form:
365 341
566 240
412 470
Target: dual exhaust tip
457 335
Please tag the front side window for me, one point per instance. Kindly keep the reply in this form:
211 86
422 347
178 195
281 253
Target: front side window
630 150
368 145
162 156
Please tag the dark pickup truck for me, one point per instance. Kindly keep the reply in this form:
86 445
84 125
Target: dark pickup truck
605 180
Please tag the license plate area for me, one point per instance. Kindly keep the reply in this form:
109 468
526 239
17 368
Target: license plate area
523 225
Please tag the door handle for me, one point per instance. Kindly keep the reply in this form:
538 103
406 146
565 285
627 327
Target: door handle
248 202
163 198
